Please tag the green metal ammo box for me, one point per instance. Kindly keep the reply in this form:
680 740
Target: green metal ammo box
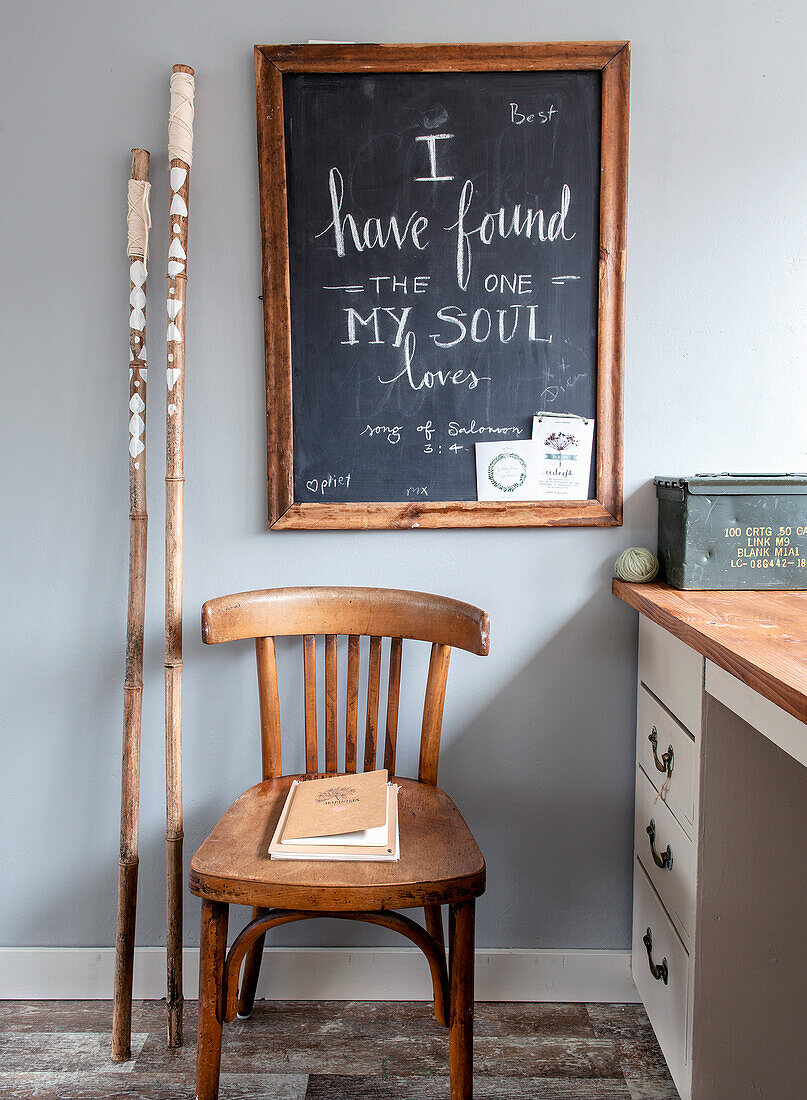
731 531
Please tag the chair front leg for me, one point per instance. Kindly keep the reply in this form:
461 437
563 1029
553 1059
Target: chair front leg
252 970
213 945
461 999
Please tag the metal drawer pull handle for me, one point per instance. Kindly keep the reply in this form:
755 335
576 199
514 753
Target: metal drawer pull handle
667 762
666 857
660 973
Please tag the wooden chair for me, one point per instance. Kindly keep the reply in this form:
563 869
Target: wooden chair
440 863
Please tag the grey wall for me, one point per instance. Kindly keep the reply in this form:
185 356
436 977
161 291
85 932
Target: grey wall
539 737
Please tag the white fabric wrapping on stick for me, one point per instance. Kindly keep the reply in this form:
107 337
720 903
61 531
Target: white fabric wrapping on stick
138 219
180 118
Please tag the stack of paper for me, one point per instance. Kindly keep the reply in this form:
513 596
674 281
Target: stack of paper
341 817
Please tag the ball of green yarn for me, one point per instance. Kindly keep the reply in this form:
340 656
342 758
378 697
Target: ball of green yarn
636 564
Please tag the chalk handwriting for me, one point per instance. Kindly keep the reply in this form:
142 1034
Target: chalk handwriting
430 378
540 117
392 434
372 234
503 224
420 283
473 428
330 481
515 284
431 142
398 329
481 325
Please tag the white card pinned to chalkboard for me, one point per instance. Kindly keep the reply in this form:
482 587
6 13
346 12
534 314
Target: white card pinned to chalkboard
563 455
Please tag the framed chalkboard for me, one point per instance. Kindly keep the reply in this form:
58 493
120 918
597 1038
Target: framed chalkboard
443 243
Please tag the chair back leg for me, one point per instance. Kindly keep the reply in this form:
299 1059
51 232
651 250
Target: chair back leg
461 999
252 970
213 947
434 926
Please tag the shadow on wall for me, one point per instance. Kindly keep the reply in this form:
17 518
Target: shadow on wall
542 774
550 796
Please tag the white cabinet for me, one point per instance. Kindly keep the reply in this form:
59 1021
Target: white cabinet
668 729
719 917
661 973
666 752
667 855
673 672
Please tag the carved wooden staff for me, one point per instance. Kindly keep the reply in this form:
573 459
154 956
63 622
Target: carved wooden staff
137 222
180 152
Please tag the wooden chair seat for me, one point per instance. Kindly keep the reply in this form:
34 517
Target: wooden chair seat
440 862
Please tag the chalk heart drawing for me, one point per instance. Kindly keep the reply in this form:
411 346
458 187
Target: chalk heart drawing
171 376
312 486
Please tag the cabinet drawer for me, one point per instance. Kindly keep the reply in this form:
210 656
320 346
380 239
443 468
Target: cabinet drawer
652 720
673 672
674 883
665 1003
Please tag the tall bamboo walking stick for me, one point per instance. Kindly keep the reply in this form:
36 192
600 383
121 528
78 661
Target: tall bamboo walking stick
137 222
180 152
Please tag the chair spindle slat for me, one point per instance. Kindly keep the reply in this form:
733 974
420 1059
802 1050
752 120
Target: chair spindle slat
310 674
352 702
330 703
373 685
393 697
269 706
433 713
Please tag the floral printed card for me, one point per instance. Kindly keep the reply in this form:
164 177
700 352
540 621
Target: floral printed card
507 470
563 456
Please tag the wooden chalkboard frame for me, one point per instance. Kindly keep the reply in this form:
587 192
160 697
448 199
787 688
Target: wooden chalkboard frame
612 59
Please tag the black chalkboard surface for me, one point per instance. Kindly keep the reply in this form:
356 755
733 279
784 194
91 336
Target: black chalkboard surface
442 246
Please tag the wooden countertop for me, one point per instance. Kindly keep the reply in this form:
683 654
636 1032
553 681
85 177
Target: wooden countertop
759 637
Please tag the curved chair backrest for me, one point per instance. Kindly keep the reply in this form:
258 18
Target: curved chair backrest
377 613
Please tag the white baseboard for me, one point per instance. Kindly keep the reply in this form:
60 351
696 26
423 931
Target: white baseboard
326 974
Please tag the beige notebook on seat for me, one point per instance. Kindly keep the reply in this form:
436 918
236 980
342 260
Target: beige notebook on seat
380 843
337 804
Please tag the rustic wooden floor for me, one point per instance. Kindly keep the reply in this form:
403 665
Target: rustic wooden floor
370 1050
